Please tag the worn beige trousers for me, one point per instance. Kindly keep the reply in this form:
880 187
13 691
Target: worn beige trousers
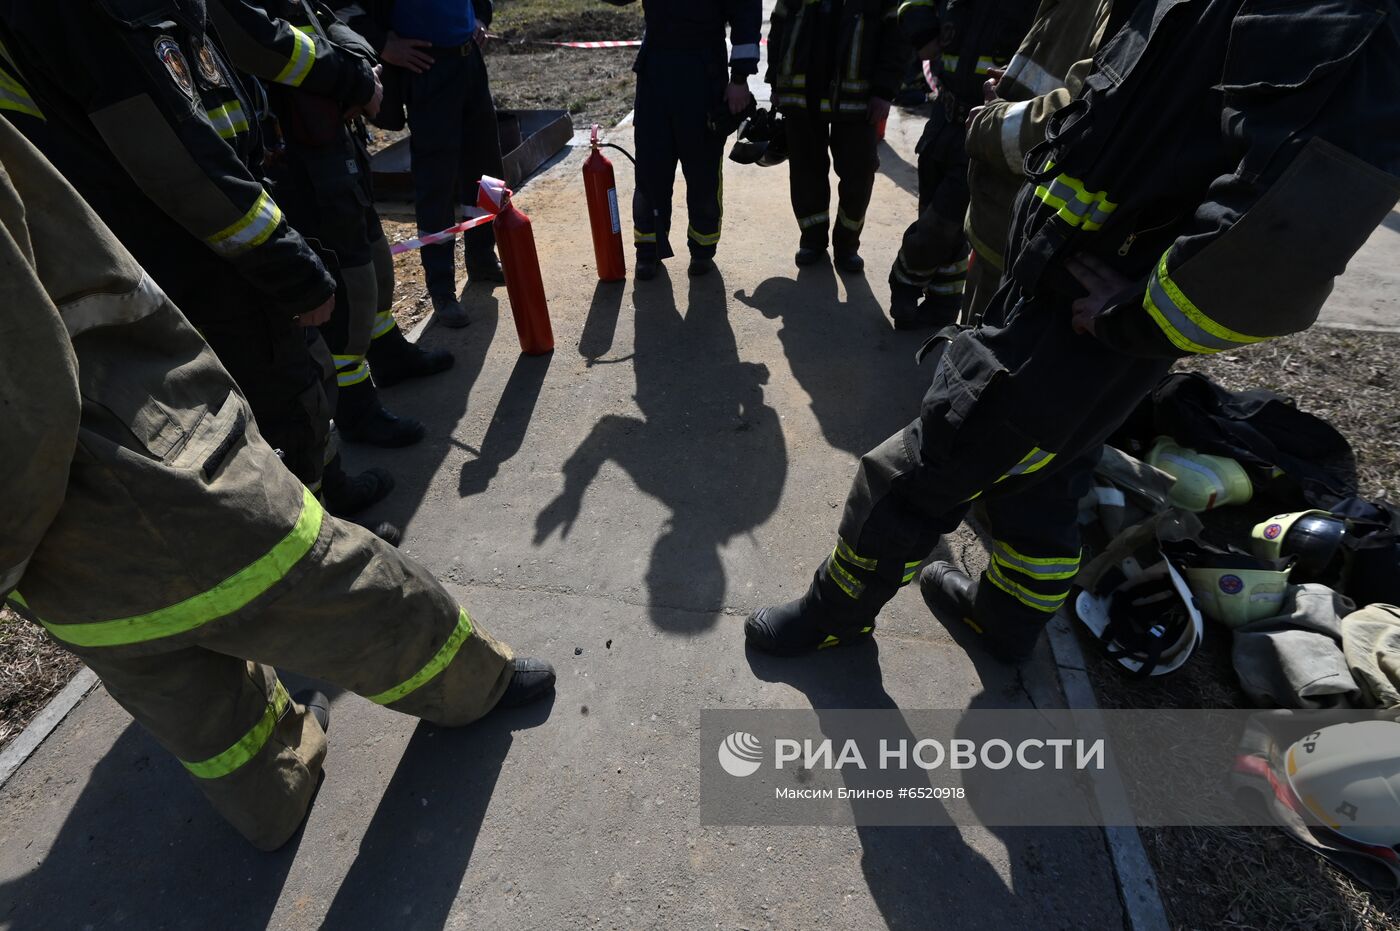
150 529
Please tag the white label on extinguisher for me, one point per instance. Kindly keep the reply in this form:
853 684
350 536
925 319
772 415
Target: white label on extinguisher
612 209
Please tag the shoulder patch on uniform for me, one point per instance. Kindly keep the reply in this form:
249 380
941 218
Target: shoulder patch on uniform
209 66
169 52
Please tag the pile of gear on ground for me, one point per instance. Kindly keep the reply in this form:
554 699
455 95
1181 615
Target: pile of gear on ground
1308 597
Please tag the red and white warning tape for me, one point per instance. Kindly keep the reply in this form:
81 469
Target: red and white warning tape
606 43
614 43
492 195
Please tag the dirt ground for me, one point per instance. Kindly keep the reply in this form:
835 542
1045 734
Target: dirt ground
1256 877
32 669
594 85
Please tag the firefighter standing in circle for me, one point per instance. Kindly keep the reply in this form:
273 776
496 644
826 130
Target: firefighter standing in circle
682 81
135 443
971 40
1045 74
1223 163
321 178
834 66
137 105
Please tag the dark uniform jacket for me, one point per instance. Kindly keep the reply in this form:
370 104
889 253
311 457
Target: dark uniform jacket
834 55
137 104
700 25
1230 156
977 36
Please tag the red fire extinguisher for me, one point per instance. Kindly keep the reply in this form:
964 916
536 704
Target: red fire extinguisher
600 188
521 264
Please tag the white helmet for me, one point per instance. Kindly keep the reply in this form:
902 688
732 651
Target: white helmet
1145 619
1348 778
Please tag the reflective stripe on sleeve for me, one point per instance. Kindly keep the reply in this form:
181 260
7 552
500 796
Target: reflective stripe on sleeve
1031 76
1012 118
248 745
299 65
1185 324
229 120
251 230
230 595
440 661
1074 204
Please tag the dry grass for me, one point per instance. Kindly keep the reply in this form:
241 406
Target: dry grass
32 668
1256 878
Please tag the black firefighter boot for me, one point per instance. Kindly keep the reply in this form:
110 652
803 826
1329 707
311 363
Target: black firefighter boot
345 496
935 311
951 593
361 418
393 359
826 616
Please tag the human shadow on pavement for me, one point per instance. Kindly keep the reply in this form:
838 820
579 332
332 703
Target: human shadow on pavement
904 174
509 424
122 859
440 402
706 445
930 876
858 371
414 855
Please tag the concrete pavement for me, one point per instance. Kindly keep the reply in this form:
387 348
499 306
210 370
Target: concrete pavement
617 508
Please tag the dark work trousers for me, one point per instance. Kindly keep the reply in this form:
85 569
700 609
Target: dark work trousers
815 144
281 368
933 256
453 141
1014 419
324 192
675 91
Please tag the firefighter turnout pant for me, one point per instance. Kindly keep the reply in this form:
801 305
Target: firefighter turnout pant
816 144
324 192
932 257
675 91
281 367
454 141
317 596
164 542
1014 419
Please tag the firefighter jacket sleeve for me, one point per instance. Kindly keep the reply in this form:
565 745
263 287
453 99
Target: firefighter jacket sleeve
777 37
1312 155
39 402
136 88
745 18
368 18
918 21
275 50
1003 131
891 54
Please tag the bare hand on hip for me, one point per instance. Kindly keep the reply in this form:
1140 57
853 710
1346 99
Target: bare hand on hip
407 53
